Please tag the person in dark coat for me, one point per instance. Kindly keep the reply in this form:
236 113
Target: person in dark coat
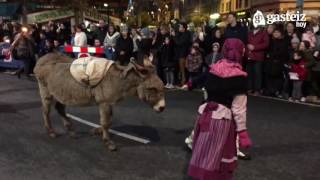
47 48
235 29
310 61
277 57
124 47
182 41
258 43
166 59
101 31
49 32
162 34
63 34
144 43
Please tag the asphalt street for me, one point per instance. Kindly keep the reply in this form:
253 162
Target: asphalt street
286 140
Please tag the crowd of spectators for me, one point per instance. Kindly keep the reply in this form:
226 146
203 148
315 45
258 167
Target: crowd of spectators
281 60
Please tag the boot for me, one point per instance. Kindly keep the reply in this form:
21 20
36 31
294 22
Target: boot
18 73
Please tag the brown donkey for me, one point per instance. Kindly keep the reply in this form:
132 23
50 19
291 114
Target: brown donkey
57 85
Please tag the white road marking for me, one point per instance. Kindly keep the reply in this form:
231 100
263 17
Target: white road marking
267 97
121 134
283 100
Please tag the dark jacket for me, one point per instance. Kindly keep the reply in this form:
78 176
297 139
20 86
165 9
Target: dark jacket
100 33
182 42
224 93
144 49
277 57
41 45
310 62
166 56
239 31
260 41
63 36
45 50
125 45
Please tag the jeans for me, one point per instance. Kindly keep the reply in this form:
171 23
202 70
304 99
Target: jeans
254 70
297 89
169 75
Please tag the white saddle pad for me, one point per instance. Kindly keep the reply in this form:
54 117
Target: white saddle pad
90 70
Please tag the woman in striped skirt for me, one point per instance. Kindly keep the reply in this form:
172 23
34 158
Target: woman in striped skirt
221 118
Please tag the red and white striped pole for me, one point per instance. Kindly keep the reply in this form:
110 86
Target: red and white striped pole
84 51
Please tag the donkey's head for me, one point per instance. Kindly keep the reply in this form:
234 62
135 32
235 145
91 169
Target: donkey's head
150 88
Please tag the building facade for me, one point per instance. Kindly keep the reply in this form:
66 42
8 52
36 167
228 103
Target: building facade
197 7
244 8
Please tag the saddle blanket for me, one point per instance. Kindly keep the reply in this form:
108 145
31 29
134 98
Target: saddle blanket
90 70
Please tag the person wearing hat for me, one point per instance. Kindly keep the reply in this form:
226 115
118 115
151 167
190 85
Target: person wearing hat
124 46
221 118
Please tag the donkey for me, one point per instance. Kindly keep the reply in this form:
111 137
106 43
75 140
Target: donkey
57 86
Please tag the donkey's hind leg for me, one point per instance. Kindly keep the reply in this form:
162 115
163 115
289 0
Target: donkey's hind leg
61 109
46 100
105 121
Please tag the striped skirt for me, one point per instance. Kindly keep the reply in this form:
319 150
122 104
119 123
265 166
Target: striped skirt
214 147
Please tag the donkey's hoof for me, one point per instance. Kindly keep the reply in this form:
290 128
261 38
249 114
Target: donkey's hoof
96 131
52 135
73 134
111 146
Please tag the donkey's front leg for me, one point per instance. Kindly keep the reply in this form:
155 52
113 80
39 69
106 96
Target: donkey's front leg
105 121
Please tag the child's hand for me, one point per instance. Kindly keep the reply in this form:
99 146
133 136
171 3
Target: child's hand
184 87
316 54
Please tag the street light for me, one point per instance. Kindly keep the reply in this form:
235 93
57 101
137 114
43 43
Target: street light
105 4
215 16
